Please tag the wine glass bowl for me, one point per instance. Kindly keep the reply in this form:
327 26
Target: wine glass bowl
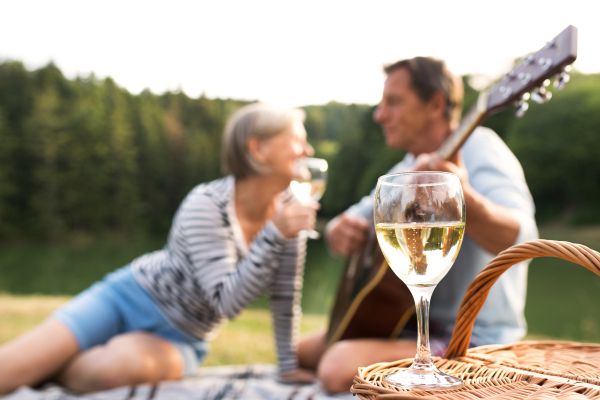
420 222
309 182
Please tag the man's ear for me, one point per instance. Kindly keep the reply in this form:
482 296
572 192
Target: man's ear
256 147
438 104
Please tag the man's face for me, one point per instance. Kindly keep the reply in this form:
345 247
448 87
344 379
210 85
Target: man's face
405 119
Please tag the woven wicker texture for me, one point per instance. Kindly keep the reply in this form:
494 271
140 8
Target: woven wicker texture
523 370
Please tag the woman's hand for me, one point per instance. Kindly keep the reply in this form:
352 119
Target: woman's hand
297 375
292 218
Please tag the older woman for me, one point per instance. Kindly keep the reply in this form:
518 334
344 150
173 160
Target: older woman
232 240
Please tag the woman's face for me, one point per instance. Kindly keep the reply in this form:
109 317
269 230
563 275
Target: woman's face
280 152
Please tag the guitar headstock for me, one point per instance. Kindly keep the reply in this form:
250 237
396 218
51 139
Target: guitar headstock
533 73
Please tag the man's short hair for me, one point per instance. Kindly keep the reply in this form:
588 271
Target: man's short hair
260 120
427 76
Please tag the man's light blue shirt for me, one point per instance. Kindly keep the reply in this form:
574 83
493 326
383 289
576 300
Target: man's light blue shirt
495 173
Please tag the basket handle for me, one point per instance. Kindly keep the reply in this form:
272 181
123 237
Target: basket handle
480 287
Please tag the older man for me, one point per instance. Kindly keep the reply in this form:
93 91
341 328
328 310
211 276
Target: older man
420 107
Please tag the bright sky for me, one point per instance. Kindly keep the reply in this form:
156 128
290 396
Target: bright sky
292 53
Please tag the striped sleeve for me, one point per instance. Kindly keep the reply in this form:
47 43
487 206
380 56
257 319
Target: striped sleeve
229 284
285 303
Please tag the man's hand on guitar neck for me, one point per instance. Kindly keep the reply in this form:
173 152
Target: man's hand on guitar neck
346 233
492 226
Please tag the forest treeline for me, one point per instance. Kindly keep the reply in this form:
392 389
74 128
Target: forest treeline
85 155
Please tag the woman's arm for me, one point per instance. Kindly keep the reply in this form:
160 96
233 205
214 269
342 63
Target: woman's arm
206 240
285 295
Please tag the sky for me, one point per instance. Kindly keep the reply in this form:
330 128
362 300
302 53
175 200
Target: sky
292 53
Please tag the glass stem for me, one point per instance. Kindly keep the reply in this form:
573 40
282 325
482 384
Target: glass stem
422 296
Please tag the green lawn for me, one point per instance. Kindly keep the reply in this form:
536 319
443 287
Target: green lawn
247 339
562 297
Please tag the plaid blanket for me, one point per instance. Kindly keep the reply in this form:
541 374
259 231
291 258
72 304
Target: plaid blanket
243 382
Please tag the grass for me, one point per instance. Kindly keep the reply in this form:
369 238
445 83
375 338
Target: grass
247 339
66 268
21 313
562 297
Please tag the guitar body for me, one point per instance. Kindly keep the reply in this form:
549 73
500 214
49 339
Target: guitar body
372 302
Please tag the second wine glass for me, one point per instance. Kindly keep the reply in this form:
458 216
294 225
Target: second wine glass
309 182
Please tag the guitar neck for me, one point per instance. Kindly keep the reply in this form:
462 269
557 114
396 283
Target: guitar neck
531 74
471 120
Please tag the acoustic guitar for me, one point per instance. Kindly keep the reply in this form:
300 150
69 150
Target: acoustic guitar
372 302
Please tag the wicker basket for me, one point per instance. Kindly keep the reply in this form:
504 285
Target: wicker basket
523 370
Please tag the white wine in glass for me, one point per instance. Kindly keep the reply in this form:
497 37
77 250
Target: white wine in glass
420 254
420 225
310 180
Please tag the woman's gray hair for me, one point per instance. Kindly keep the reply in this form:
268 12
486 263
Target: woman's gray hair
260 120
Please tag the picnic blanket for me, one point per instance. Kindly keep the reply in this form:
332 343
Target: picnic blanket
242 382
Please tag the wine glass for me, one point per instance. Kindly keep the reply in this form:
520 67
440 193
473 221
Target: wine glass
309 182
420 224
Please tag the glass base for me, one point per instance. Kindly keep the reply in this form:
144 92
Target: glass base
423 377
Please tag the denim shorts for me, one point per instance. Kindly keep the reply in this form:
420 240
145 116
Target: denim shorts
118 304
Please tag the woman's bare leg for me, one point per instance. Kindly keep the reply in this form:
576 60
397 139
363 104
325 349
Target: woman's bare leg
340 362
127 359
36 355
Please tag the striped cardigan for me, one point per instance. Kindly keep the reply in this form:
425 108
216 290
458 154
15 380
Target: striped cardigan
207 274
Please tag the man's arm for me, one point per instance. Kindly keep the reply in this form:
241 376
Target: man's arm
492 226
349 231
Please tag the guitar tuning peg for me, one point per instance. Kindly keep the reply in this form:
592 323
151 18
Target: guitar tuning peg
561 79
550 44
528 59
522 106
541 95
